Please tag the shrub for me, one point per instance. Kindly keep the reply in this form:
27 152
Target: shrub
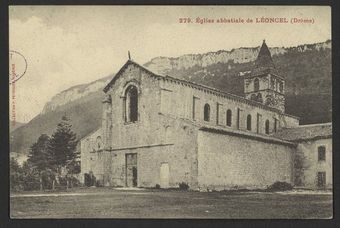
62 181
16 176
30 178
31 181
90 179
280 186
183 186
73 181
87 180
99 183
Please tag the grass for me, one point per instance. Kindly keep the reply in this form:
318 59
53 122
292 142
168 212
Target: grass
110 203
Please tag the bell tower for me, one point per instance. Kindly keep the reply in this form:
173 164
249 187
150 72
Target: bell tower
264 84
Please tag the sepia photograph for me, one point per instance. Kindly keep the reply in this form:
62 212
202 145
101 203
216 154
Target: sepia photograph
170 112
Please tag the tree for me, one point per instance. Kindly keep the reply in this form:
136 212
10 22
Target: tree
39 153
31 177
15 175
63 146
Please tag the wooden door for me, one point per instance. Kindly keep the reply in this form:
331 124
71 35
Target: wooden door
131 170
164 175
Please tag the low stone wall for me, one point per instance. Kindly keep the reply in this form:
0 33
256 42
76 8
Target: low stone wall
228 162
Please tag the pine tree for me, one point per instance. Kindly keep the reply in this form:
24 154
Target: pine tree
63 145
38 160
39 153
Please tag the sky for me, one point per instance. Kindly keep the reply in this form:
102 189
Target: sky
70 45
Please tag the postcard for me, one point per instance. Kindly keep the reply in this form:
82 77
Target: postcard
219 112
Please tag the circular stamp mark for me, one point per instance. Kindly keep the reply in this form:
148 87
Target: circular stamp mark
17 66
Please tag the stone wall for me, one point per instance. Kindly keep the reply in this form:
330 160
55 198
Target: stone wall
266 82
92 156
249 84
271 88
144 131
156 137
312 166
227 161
178 100
177 148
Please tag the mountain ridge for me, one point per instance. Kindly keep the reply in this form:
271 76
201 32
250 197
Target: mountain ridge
156 66
239 55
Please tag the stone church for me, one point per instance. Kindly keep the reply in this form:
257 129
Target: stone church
162 131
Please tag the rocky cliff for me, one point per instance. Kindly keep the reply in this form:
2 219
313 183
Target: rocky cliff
75 93
164 65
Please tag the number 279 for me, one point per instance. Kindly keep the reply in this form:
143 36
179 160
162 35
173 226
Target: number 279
184 20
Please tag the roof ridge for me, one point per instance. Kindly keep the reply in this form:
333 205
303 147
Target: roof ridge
305 132
315 125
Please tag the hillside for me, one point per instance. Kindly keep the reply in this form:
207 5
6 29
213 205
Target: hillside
13 126
85 113
306 68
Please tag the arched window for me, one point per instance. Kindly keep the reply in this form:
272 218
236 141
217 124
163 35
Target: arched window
99 142
249 122
269 100
206 112
256 84
267 127
281 87
272 83
253 97
229 117
259 97
131 104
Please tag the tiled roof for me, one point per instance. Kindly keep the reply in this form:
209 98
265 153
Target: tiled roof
264 59
264 63
305 132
